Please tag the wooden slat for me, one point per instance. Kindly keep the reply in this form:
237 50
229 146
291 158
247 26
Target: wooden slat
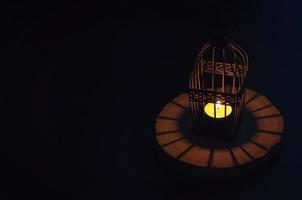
246 152
240 156
167 118
171 142
185 151
233 156
210 157
177 148
222 159
179 105
254 150
197 156
167 132
266 140
166 138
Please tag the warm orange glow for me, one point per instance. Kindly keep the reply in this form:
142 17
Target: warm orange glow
220 110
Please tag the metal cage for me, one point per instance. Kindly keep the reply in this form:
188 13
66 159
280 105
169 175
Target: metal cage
219 78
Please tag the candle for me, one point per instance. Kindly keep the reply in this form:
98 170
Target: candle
221 110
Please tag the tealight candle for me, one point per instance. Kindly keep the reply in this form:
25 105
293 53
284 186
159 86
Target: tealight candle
221 110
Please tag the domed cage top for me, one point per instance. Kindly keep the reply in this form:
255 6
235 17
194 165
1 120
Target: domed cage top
217 85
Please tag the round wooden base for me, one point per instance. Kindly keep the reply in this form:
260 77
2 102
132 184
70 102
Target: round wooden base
201 157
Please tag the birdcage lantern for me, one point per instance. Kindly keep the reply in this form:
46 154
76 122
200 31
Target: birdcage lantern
216 89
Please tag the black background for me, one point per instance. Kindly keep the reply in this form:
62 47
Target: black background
81 84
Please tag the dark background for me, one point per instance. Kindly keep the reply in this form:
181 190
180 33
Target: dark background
82 83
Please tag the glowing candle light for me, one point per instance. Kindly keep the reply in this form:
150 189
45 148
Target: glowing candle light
221 110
